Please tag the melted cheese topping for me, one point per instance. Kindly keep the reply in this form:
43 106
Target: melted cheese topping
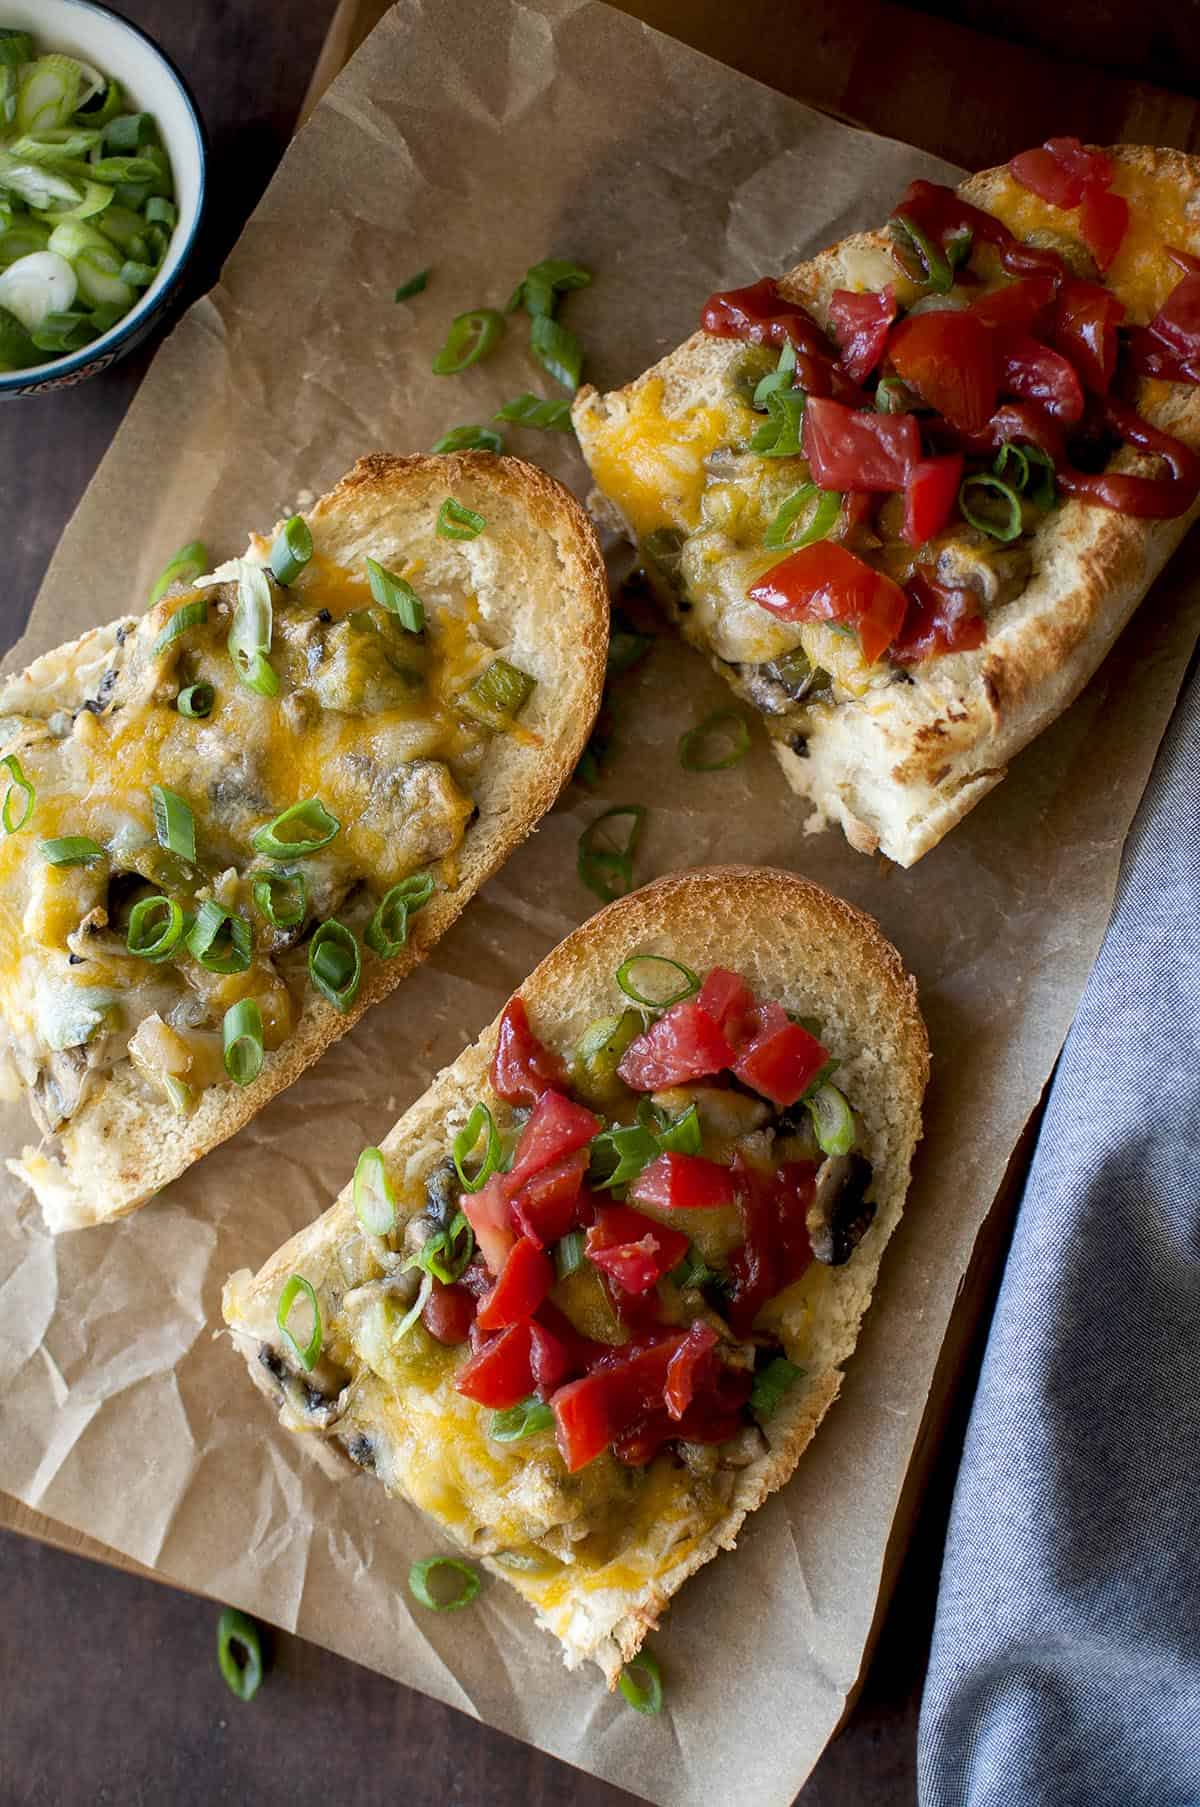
651 465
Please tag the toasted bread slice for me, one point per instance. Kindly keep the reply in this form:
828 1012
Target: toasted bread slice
895 762
599 1553
530 588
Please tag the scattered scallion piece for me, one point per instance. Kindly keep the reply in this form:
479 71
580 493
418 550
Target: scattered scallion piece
684 1135
531 411
304 828
498 695
219 939
309 1354
414 286
70 850
779 436
374 1200
822 507
833 1120
782 377
387 931
626 646
415 1309
515 1422
603 866
251 633
469 439
291 551
557 350
239 1653
893 396
568 1254
770 1385
479 1123
471 337
195 701
187 615
281 897
155 927
720 741
447 1254
421 1573
1024 460
539 288
396 596
458 522
335 964
693 1273
242 1041
991 505
920 257
645 1696
18 787
676 981
174 824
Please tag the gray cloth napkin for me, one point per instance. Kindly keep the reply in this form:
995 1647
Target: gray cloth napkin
1066 1655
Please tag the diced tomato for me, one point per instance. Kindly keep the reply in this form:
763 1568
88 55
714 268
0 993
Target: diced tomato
448 1313
686 1365
525 1281
782 1059
827 582
522 1066
860 324
930 496
488 1214
545 1207
635 1250
791 1195
549 1360
683 1044
590 1412
714 1416
581 1351
854 448
1034 373
1061 170
760 314
1020 305
557 1127
1170 346
500 1372
729 1001
948 358
775 1248
1085 330
1103 219
939 620
683 1182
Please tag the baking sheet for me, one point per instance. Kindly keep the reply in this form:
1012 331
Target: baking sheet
479 140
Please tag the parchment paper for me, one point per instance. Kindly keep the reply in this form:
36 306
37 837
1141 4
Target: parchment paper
479 139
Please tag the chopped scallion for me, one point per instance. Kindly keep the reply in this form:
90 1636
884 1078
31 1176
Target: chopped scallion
669 981
374 1200
557 350
770 1385
721 740
174 824
387 931
447 1254
195 701
219 939
282 897
239 1653
469 439
989 504
155 927
479 1123
604 866
822 507
646 1695
498 695
20 788
70 850
187 615
466 1578
335 964
309 1354
396 596
531 411
568 1254
304 828
414 286
242 1041
291 551
833 1120
471 337
517 1422
457 522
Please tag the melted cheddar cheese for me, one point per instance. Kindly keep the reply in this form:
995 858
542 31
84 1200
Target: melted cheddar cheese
651 465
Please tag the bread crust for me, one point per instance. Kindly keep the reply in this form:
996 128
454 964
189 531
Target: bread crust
122 1146
794 941
898 768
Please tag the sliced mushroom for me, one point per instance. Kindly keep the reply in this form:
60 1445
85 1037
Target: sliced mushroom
60 1086
840 1215
967 559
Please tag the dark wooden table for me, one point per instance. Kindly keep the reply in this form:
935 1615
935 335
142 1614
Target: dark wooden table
111 1692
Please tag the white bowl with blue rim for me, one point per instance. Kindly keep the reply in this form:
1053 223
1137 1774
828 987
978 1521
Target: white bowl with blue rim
152 85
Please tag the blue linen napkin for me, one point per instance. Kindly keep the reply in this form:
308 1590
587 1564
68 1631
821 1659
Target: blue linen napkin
1065 1668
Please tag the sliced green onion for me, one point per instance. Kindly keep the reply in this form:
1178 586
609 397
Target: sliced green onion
833 1120
48 93
415 1309
770 1385
920 257
38 187
55 148
195 701
414 286
70 850
825 505
387 931
250 636
16 47
626 646
469 439
448 1253
693 1273
498 695
531 411
958 246
112 103
239 1653
187 615
374 1200
292 550
17 349
684 1135
281 897
478 1123
728 729
568 1254
619 1154
603 867
396 596
539 288
100 279
242 1041
457 522
782 377
23 238
1003 526
644 1696
137 275
421 1573
779 436
1026 459
557 350
219 939
304 828
471 337
174 823
675 981
335 964
893 396
161 212
18 786
129 132
516 1422
310 1354
63 332
155 927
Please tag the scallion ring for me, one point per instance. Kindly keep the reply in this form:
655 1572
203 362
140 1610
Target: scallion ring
195 701
469 439
187 615
185 566
280 897
780 434
680 981
557 350
471 337
414 286
770 1385
597 857
833 1120
415 1309
387 931
174 824
335 964
242 1041
155 927
420 1574
250 636
18 786
374 1200
893 396
304 828
725 727
825 506
310 1354
457 522
1025 460
919 256
516 1422
568 1254
291 551
218 939
70 850
479 1122
782 377
644 1696
396 596
447 1254
1004 525
239 1653
531 411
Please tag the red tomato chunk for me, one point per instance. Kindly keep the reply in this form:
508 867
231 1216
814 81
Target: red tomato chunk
527 1278
500 1373
634 1249
522 1066
782 1059
683 1182
683 1044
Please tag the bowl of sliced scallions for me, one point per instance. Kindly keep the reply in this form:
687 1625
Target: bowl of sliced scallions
101 190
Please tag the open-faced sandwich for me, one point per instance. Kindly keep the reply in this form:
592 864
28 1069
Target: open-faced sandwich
906 497
233 823
591 1298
